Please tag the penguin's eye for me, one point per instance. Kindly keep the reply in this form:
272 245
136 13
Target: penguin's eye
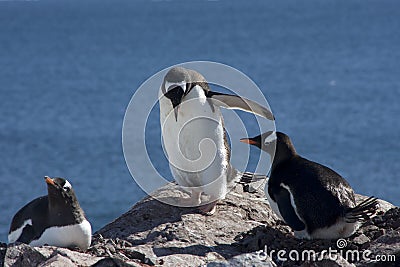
67 186
267 143
169 86
183 86
270 139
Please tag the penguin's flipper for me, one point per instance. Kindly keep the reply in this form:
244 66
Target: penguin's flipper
237 102
27 235
287 211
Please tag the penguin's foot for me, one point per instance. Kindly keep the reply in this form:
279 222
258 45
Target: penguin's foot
208 209
188 202
192 201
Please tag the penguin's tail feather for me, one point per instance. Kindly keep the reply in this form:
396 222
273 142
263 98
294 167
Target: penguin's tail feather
363 211
249 177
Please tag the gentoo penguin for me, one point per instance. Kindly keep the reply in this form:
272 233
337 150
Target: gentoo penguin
56 219
194 136
312 199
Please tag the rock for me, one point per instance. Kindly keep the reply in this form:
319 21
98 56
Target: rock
170 233
115 262
243 232
361 239
3 249
385 247
57 261
334 260
22 255
255 259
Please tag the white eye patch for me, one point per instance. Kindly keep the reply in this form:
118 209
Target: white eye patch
180 84
67 185
271 138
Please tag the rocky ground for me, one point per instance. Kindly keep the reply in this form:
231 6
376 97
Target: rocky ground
243 232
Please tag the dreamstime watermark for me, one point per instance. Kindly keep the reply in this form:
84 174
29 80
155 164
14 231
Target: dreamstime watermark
140 123
334 254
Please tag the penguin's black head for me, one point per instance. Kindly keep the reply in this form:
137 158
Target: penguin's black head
178 82
265 141
60 190
273 142
284 144
175 94
175 86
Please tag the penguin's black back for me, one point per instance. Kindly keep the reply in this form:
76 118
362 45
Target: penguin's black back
38 212
321 195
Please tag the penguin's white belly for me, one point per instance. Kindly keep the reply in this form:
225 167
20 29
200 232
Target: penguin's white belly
195 145
66 236
340 229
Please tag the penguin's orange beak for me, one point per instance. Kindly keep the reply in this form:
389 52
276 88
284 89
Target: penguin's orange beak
248 141
49 180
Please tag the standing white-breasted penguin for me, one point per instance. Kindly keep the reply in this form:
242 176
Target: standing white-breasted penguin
56 219
194 136
312 199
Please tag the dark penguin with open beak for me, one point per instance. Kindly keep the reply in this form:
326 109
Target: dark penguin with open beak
56 219
315 201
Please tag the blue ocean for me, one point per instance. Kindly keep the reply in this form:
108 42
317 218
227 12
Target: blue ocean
329 69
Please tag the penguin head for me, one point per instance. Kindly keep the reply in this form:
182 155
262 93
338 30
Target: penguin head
178 82
60 191
271 142
175 95
265 141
